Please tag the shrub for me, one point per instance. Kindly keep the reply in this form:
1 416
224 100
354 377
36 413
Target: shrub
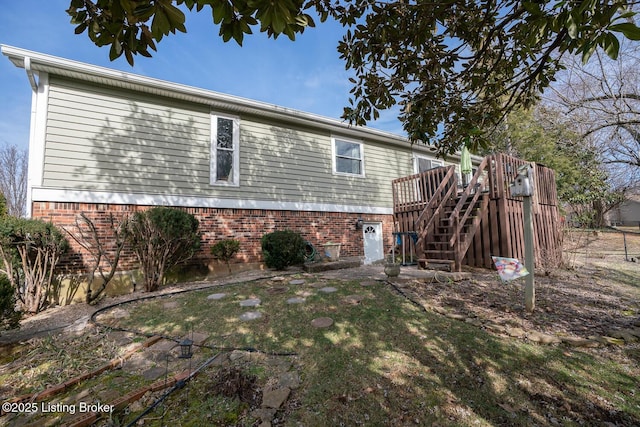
282 249
224 250
104 251
161 238
9 317
29 252
4 210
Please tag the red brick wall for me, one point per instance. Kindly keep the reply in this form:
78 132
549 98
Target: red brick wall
245 225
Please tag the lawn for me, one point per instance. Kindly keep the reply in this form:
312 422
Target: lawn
391 356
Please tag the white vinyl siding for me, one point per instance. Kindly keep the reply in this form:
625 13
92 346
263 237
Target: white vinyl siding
225 150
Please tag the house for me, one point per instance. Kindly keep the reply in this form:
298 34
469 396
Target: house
627 213
109 142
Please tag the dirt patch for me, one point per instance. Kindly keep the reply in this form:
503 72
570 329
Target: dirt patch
569 303
598 294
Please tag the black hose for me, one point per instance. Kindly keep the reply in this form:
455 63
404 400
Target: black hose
179 385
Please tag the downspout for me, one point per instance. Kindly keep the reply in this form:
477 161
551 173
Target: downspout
32 79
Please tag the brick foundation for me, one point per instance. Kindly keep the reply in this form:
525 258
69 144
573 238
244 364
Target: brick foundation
245 225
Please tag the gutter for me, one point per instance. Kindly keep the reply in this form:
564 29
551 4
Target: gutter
30 75
33 61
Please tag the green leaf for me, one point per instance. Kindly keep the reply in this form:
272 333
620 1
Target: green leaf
115 51
129 56
80 28
572 27
160 25
629 30
611 46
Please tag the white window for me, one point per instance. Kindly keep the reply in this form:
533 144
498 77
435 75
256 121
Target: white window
225 150
423 164
348 157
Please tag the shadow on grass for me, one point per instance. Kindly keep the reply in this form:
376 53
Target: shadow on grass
385 361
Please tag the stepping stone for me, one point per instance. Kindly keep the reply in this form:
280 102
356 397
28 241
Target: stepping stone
197 338
322 322
295 300
297 282
170 304
278 279
163 346
289 380
217 296
275 398
250 315
328 289
369 283
251 302
353 299
153 373
277 290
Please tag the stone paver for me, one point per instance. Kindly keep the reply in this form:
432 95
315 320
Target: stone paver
369 283
251 302
289 380
198 338
251 315
297 282
277 290
322 322
295 300
328 289
275 398
163 346
153 373
353 299
217 296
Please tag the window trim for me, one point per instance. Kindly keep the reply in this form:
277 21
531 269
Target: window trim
334 156
213 150
416 162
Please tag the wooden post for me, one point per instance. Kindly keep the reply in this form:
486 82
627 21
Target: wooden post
529 290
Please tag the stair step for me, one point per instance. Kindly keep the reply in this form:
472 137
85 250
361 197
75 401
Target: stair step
436 264
439 252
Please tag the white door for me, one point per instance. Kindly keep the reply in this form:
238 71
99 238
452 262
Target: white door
373 250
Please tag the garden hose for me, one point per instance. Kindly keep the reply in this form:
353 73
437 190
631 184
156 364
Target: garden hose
309 251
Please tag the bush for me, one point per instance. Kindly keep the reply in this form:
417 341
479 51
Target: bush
29 253
9 317
4 210
161 238
282 249
224 250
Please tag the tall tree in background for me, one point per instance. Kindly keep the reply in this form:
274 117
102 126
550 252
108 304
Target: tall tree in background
455 68
602 100
13 179
583 184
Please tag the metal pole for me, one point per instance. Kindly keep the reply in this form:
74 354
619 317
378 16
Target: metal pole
529 261
624 238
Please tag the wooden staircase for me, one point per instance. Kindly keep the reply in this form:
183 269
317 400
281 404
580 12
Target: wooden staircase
449 218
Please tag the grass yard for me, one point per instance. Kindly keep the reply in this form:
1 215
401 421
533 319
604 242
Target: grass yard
385 360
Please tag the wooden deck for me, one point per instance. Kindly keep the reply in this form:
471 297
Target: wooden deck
467 226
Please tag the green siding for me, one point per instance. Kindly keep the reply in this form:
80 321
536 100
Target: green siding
113 140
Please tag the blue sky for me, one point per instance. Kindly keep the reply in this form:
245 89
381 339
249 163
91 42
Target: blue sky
306 74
